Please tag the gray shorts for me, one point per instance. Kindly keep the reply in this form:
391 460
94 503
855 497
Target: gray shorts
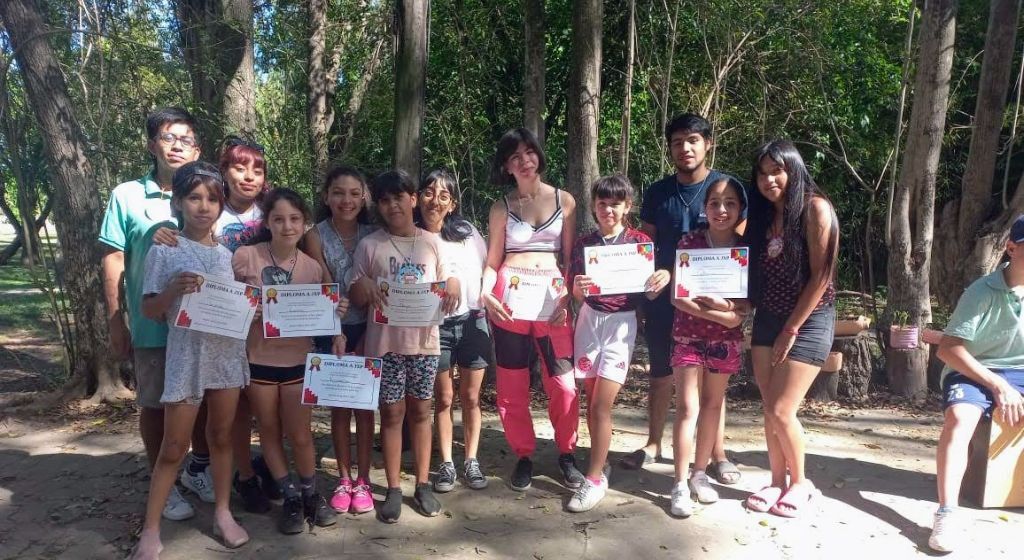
149 375
466 342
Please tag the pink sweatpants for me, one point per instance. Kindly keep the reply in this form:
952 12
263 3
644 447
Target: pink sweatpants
513 342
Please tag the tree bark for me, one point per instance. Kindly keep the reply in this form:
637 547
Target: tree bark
217 40
319 90
413 29
967 244
914 200
627 101
534 69
77 208
584 106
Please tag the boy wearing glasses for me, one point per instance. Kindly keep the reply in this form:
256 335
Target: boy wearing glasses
135 207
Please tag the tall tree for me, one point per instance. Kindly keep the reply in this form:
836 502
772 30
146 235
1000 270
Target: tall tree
627 98
77 208
533 74
326 141
584 105
217 40
972 230
413 22
913 209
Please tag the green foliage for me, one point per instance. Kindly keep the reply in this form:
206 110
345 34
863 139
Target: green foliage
825 74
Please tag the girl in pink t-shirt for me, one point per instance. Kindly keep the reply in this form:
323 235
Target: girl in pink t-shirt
277 365
401 253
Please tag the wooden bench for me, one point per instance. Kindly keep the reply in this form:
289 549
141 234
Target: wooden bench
995 466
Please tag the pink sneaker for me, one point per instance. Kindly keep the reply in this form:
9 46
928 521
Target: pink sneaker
362 499
342 497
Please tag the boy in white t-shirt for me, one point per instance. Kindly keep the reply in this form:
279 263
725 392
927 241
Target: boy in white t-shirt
402 253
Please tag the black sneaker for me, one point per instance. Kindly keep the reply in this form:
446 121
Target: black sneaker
475 478
522 475
252 496
445 481
425 500
571 476
270 488
291 522
391 508
315 510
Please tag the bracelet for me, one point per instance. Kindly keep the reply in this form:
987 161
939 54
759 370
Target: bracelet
791 330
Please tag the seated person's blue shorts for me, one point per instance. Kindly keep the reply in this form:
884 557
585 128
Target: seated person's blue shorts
958 388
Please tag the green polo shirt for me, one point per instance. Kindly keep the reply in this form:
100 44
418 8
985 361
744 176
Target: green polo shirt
988 319
134 208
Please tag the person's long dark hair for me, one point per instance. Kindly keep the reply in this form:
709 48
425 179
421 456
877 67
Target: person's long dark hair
800 190
455 228
271 198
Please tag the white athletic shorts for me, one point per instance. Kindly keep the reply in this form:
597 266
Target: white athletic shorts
604 343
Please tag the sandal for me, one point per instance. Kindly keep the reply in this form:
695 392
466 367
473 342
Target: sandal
764 499
794 501
635 460
724 472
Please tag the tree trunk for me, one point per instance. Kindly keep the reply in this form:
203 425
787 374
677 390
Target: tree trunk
584 111
914 200
627 101
670 55
533 74
413 29
969 249
217 41
320 90
77 209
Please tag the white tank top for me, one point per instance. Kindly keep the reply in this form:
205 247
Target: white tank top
523 237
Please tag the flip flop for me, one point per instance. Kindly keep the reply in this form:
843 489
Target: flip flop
768 496
635 460
720 469
795 501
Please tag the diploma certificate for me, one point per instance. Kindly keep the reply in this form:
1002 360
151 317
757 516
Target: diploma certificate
219 306
411 305
347 382
532 296
619 269
711 272
291 310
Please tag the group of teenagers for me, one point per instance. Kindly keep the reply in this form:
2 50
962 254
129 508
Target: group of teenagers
201 392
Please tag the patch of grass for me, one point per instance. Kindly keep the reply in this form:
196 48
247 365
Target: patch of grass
23 311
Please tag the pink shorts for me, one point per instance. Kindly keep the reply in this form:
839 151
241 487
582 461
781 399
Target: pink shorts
715 356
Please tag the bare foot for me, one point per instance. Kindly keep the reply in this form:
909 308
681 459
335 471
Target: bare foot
230 532
149 546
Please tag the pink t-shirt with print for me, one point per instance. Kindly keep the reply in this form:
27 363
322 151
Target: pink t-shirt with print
382 255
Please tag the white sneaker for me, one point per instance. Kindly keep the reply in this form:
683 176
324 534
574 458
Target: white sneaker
700 487
682 504
943 537
587 496
177 507
200 483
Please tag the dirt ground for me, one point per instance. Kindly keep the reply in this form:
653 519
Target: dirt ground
73 484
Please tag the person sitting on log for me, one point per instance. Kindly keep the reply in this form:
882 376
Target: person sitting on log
983 349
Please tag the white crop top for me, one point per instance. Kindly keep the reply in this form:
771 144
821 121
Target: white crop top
523 237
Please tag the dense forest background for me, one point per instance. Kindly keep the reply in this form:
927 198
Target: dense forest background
835 77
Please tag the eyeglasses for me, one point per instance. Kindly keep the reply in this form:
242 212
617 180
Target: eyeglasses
170 138
239 141
442 197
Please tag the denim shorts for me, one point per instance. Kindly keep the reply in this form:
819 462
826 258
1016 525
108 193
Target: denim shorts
465 342
957 388
812 344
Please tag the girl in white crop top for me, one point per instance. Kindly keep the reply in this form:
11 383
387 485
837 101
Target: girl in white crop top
532 226
532 231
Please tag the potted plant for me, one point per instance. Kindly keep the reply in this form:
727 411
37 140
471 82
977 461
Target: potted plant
901 334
